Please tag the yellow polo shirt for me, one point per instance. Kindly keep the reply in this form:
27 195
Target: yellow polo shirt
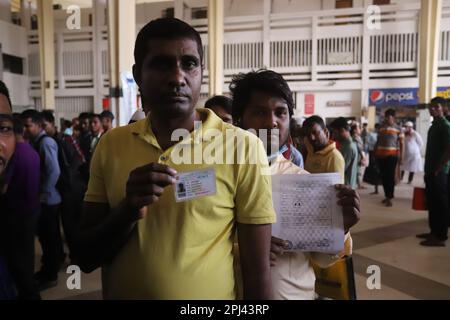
180 250
327 160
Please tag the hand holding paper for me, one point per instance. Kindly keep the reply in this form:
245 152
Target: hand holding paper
309 217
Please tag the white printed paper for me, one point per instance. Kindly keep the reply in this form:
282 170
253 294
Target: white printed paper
308 216
195 184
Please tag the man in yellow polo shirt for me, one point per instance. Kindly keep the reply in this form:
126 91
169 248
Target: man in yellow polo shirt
162 227
323 156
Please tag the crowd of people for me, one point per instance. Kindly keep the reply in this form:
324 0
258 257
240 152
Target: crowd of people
43 189
113 189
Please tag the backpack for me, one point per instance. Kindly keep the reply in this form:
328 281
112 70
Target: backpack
66 161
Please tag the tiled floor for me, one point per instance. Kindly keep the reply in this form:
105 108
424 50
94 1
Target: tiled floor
385 237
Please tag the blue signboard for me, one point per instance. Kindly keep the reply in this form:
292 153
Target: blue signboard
393 97
444 92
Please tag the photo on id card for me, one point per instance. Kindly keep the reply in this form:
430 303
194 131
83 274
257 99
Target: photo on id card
195 184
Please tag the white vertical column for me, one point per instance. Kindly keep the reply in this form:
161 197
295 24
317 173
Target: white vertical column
179 9
365 66
98 8
266 33
25 14
60 60
122 35
46 53
215 41
430 23
314 49
5 10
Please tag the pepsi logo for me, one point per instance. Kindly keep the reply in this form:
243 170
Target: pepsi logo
377 96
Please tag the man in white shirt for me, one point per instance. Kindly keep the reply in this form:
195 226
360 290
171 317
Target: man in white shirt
263 100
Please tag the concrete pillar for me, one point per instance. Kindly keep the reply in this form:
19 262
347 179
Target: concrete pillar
314 49
60 60
215 49
25 14
5 10
430 22
99 22
371 117
122 35
179 9
365 62
266 32
46 53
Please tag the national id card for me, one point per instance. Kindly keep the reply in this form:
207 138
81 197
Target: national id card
195 184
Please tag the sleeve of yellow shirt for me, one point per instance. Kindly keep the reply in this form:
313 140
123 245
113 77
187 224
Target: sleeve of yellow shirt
324 260
96 188
253 196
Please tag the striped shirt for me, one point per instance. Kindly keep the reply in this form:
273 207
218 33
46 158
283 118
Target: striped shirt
388 141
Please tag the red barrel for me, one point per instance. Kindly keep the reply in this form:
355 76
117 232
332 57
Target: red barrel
419 199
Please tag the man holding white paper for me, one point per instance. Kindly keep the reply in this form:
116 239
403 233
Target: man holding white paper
263 101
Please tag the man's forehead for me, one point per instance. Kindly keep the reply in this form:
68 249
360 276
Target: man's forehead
177 46
267 101
266 96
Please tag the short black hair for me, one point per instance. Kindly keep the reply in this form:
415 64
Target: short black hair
438 100
18 124
84 115
340 123
353 128
221 101
48 116
243 85
34 115
308 123
4 91
95 115
67 124
389 112
107 114
164 28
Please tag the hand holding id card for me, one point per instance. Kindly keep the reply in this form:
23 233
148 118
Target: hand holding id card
195 184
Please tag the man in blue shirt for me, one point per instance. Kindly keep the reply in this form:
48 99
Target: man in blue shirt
48 225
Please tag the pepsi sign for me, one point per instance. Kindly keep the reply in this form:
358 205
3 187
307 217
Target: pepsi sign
393 97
